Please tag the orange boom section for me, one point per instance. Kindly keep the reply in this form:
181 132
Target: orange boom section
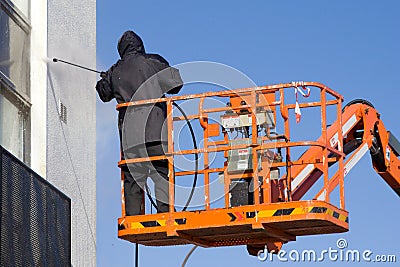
264 179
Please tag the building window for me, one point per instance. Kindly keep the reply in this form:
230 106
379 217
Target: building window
15 77
22 5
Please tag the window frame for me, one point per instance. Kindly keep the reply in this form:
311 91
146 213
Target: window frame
8 89
16 15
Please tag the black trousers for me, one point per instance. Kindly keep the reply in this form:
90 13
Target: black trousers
136 174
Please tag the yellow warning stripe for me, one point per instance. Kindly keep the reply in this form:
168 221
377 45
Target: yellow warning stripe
265 213
136 225
329 212
300 210
342 218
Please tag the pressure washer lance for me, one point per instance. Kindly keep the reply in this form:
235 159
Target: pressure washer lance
102 74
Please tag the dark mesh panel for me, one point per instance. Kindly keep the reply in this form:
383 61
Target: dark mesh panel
35 218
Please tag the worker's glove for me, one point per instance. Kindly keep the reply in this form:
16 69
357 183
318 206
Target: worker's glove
103 74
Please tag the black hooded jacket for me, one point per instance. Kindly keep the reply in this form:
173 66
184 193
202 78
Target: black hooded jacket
139 76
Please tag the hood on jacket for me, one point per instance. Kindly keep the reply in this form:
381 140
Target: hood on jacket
130 43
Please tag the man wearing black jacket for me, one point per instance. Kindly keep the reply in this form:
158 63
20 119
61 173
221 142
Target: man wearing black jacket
142 129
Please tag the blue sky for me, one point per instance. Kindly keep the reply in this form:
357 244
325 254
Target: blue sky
351 46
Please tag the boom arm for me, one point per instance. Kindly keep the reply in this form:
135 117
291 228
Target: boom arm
363 130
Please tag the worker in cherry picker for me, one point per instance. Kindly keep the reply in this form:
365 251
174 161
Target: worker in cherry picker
136 76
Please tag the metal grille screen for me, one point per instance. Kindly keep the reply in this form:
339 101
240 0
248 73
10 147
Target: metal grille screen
35 218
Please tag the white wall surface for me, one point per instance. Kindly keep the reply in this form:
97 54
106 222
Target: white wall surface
71 146
38 86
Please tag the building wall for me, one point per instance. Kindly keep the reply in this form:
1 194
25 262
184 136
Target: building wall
71 145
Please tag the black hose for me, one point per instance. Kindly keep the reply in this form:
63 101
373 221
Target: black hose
195 155
137 255
196 162
188 255
358 101
149 197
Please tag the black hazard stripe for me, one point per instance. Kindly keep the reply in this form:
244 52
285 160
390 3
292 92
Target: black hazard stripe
150 224
233 217
236 216
283 212
251 214
180 221
318 210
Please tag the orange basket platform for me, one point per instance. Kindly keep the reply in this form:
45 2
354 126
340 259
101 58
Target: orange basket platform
258 224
